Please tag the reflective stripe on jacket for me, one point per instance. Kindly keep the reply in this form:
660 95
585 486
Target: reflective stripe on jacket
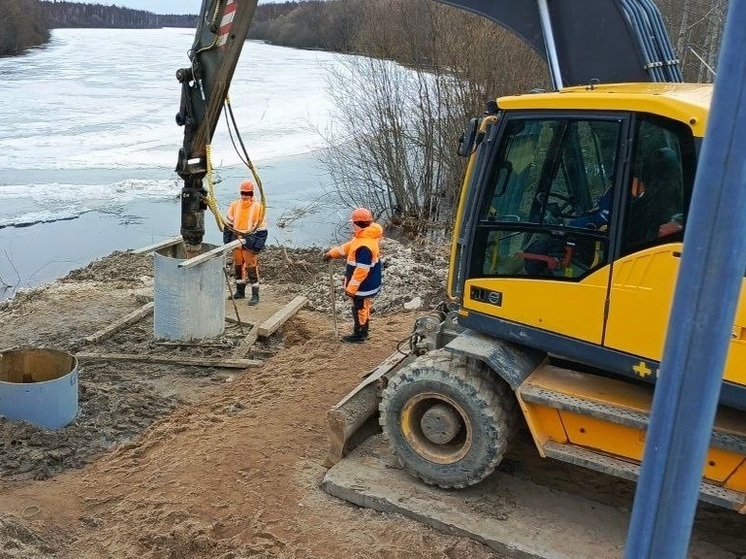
363 271
243 215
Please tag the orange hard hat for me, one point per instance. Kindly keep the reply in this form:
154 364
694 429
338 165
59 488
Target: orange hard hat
247 186
361 214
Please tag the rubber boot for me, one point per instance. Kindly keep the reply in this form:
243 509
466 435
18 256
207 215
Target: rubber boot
254 296
364 330
357 337
240 287
240 291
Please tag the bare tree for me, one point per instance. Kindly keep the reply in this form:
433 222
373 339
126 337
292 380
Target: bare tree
712 40
393 142
698 28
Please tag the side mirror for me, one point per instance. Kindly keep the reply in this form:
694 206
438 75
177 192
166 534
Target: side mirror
467 139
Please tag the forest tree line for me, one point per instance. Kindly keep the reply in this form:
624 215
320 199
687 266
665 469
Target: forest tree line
74 14
26 23
22 26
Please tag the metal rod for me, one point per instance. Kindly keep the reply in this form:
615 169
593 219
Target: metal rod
233 300
549 44
217 251
707 292
333 295
158 246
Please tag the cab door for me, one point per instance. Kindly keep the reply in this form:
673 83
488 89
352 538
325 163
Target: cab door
655 205
540 249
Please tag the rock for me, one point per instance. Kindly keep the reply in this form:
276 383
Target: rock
414 304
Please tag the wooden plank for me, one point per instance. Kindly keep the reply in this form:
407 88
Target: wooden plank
217 251
131 318
157 246
243 348
270 325
168 360
200 343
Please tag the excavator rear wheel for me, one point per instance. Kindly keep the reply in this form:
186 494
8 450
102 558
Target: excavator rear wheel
447 419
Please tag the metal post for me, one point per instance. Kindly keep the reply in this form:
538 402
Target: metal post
707 291
549 44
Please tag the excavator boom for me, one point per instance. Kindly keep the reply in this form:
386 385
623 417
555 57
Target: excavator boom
612 41
222 29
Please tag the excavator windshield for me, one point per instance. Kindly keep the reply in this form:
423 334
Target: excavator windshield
552 185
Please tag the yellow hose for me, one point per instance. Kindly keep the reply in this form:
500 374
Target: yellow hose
210 199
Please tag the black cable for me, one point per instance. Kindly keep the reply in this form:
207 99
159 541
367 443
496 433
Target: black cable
230 134
399 344
248 162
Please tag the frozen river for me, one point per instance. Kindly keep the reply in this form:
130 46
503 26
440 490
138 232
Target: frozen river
88 145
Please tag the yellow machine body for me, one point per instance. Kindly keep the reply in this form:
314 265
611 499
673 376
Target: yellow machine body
624 303
610 314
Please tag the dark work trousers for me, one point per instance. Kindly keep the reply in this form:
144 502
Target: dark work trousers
361 314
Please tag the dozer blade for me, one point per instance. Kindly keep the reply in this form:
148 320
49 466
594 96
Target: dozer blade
353 419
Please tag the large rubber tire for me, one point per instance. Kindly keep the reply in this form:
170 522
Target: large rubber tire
447 419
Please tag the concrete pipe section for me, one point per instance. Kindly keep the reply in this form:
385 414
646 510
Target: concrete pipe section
189 303
39 386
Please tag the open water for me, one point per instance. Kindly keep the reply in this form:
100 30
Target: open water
88 145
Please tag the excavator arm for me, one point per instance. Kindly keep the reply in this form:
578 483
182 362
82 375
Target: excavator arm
612 41
604 40
222 29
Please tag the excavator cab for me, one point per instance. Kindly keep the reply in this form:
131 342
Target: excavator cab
572 222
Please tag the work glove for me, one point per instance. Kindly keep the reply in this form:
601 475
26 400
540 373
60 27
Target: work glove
227 235
255 242
326 257
260 240
248 242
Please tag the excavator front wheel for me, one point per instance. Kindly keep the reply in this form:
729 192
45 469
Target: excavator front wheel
446 419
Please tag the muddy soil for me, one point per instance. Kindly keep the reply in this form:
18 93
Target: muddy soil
170 461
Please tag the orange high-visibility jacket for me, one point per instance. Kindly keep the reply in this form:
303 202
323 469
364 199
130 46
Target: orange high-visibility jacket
363 271
244 215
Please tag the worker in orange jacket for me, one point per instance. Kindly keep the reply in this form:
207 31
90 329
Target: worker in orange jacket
362 280
246 221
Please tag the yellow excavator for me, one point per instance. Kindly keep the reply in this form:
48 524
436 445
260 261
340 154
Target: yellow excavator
565 254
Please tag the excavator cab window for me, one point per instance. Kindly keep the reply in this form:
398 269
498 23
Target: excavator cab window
662 179
548 198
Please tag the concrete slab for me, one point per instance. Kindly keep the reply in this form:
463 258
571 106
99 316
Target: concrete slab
512 516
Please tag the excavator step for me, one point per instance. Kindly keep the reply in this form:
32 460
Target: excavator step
579 456
600 423
618 402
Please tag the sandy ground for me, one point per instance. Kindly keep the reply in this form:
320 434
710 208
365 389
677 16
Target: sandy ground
169 461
